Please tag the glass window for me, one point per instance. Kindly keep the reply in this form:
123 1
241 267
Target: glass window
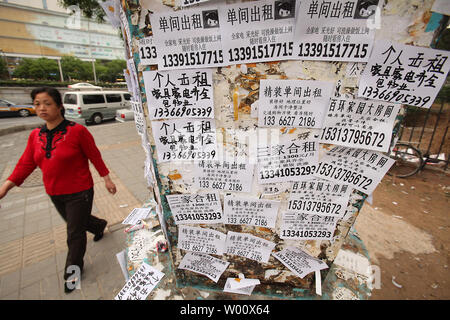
93 98
113 97
70 99
127 96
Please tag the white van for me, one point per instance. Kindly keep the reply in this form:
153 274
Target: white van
95 106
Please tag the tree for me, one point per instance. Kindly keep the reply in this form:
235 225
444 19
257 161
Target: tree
75 69
37 69
4 74
90 8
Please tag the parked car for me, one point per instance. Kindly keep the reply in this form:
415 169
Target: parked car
123 115
83 86
95 106
8 108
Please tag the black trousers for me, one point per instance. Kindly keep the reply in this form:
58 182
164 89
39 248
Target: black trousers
76 209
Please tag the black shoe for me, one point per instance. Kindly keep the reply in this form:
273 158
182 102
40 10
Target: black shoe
72 287
98 236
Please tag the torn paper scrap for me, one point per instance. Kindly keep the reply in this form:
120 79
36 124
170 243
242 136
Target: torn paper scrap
204 264
299 262
143 281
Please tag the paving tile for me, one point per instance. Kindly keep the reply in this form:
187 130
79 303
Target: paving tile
31 292
11 234
9 283
91 290
50 288
12 296
38 271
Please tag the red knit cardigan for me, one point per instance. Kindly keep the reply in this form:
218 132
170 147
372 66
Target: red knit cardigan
62 154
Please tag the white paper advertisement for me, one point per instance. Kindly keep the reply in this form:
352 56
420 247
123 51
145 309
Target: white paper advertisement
252 212
204 240
321 197
139 286
289 161
404 74
224 175
336 30
147 51
204 264
240 286
187 38
179 94
249 246
196 208
139 119
137 214
359 168
299 262
302 226
358 123
185 139
257 31
293 103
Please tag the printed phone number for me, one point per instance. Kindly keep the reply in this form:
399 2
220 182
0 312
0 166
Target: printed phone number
290 121
286 172
192 58
333 50
181 112
315 206
198 216
368 138
344 175
221 185
395 96
186 245
305 234
148 52
262 51
246 254
187 155
248 220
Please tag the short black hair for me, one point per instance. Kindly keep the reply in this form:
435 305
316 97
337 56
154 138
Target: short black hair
52 92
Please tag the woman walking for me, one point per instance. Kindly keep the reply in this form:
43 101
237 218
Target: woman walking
61 149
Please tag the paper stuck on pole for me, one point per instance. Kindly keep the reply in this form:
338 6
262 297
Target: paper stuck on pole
224 175
139 286
293 103
204 264
404 74
136 215
359 123
257 31
180 38
147 51
122 259
252 212
249 246
203 240
298 261
185 139
336 30
240 286
359 168
179 94
196 208
319 196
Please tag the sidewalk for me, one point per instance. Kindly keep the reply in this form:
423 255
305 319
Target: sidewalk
33 235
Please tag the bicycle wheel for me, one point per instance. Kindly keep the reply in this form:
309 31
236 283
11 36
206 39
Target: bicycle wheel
408 160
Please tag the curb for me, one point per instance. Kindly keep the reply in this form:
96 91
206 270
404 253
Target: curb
18 128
